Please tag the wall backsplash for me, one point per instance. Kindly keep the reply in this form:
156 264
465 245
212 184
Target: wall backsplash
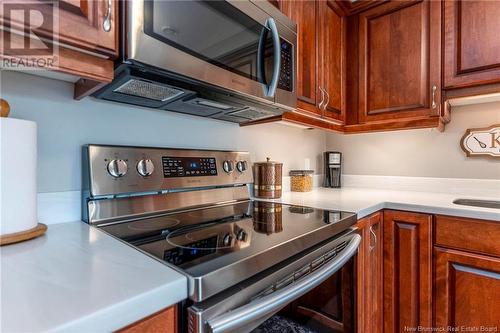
421 153
64 125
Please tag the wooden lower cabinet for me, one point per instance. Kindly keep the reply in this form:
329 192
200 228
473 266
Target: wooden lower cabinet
407 262
467 290
164 321
369 273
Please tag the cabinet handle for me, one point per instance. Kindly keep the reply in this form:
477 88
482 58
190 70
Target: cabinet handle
372 233
106 25
320 105
434 89
327 100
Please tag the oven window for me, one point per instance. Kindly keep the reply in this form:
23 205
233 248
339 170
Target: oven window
213 31
328 308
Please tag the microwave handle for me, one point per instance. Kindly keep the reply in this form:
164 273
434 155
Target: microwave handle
234 320
271 24
261 58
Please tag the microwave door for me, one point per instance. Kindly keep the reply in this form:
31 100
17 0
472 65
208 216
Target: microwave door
214 42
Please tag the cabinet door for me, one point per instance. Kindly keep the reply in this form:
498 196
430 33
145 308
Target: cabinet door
369 265
407 270
164 321
81 24
472 43
304 14
467 289
331 46
399 61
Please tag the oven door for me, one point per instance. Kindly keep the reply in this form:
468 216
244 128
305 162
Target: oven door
313 293
235 45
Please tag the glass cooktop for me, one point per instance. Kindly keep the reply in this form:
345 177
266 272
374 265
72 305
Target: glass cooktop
232 241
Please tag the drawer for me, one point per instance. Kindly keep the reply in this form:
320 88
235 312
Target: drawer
472 235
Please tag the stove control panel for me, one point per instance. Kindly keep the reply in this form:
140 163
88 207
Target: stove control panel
189 166
116 170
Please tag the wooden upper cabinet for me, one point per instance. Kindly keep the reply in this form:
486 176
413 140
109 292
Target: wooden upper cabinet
331 64
467 290
321 56
81 24
304 14
407 264
399 61
471 43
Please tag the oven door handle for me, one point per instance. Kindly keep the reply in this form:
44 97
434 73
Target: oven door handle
267 305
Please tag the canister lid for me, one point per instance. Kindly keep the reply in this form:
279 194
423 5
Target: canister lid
268 162
301 172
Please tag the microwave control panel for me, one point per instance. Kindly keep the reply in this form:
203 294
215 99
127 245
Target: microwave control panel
285 81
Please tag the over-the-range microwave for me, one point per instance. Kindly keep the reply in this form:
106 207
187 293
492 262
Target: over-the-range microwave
229 60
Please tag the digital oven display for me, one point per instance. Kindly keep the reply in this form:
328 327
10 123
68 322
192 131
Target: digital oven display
189 252
188 166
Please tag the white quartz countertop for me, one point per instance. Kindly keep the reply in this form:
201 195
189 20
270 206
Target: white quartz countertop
76 278
365 201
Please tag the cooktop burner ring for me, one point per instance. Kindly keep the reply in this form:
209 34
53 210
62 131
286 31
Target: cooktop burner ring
149 225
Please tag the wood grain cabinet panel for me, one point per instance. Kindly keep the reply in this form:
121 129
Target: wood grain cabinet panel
331 36
321 29
399 60
471 43
81 24
369 268
467 290
164 321
467 234
407 263
304 14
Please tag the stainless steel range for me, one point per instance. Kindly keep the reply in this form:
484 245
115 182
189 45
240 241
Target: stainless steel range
247 262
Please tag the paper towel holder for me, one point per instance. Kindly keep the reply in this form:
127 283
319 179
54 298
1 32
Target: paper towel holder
20 236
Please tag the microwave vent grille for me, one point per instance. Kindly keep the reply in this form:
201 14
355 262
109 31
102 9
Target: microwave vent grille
150 90
252 114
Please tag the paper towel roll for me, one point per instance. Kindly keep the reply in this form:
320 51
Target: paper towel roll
18 157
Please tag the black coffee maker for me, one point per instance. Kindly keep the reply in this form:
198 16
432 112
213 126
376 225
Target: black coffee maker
333 168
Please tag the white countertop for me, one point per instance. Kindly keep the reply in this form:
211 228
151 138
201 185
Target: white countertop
76 278
365 201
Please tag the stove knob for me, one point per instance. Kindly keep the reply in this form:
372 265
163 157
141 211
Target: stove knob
226 241
117 168
145 167
228 166
241 166
241 235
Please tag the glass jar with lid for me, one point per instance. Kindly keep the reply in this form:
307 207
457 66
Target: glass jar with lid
301 180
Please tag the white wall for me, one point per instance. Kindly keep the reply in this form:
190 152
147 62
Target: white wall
64 125
424 152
